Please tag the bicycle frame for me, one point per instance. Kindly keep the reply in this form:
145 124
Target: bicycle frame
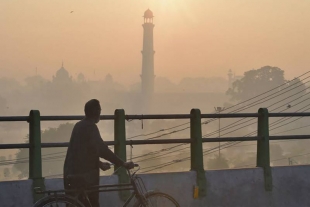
115 187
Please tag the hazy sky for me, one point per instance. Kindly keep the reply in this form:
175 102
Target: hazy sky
191 37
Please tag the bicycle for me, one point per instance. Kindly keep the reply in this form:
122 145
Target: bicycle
58 198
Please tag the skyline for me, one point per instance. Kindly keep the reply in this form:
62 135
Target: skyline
190 38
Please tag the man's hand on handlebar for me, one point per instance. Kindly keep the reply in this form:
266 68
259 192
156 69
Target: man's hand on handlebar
104 166
129 165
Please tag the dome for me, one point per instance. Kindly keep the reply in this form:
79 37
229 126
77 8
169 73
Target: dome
62 72
148 14
108 78
81 77
62 76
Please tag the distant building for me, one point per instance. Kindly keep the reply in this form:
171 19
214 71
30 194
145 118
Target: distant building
202 93
108 79
81 77
147 76
62 76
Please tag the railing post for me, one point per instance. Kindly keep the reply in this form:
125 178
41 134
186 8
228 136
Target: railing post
263 151
196 152
120 149
35 159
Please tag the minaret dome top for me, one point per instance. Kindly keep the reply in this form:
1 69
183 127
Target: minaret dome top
148 14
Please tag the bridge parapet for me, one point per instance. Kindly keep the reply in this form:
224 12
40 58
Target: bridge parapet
262 138
234 187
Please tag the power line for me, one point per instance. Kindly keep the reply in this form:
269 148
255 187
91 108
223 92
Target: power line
278 94
161 130
161 155
181 149
247 107
235 104
268 90
251 123
277 159
226 145
234 124
209 151
215 119
187 128
283 120
292 129
229 144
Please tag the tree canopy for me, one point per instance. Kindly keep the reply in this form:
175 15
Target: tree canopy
255 82
52 158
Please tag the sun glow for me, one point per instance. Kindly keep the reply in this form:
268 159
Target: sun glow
171 5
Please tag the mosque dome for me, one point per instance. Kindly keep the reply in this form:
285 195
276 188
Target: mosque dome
148 14
108 78
62 75
62 72
81 77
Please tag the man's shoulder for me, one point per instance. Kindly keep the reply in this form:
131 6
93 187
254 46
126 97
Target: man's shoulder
84 123
85 127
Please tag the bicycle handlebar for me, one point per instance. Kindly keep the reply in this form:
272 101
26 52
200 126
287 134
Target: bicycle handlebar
135 164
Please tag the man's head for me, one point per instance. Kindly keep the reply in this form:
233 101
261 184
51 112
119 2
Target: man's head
92 110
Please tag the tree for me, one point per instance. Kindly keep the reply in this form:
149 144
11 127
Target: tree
256 82
52 158
35 82
217 162
2 158
6 172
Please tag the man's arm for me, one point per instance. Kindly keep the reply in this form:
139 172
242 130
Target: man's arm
102 149
104 165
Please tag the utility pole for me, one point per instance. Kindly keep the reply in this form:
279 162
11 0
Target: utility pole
291 161
219 109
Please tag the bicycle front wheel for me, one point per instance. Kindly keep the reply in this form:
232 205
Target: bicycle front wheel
157 199
58 201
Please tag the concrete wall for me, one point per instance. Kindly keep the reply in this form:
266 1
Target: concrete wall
236 188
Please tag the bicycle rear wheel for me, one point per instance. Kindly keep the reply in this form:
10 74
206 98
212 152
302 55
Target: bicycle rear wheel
58 201
157 199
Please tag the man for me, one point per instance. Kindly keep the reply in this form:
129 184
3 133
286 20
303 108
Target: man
82 163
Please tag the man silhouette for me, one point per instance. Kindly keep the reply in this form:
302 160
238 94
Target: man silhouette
86 147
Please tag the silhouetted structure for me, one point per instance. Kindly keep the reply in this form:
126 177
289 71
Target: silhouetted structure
81 78
147 76
62 76
108 79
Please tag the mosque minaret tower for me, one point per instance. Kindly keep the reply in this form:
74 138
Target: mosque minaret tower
147 76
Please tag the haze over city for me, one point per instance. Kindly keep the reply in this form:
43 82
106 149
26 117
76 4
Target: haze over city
191 38
218 56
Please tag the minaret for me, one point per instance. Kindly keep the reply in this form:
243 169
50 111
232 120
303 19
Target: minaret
147 76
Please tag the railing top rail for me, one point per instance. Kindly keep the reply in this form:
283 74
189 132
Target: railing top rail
237 115
14 146
73 118
14 118
151 116
158 116
289 114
